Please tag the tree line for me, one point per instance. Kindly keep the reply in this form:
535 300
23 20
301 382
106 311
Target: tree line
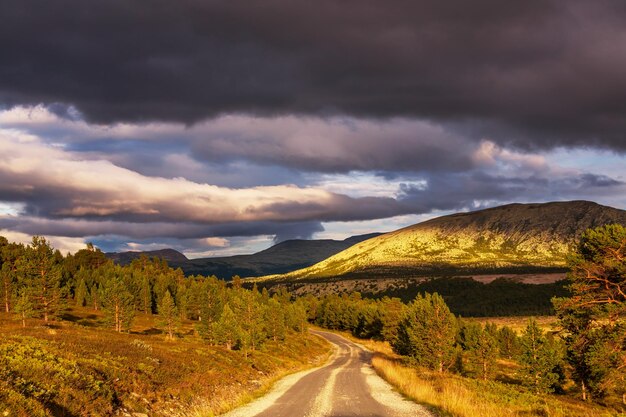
429 335
38 282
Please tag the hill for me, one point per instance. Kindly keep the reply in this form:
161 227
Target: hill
283 257
510 238
125 258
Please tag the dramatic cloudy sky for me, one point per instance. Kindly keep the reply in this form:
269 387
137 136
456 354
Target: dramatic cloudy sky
219 127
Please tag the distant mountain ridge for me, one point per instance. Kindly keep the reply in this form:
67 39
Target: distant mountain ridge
510 237
283 257
125 258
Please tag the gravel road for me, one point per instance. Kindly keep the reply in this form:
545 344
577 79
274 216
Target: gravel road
346 386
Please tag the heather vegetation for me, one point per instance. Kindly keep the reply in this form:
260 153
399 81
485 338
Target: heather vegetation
82 336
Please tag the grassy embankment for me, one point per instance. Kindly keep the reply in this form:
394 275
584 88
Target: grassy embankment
76 367
458 396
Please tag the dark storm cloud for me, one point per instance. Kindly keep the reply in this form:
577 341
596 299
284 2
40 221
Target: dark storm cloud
147 231
480 189
540 73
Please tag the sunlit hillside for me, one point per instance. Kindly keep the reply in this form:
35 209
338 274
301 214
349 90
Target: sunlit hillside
515 236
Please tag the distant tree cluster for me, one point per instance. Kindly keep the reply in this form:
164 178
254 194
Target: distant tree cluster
501 297
38 282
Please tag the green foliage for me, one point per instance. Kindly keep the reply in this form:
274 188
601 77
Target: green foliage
594 317
80 295
427 332
10 255
168 315
40 273
24 308
116 300
226 331
501 297
541 360
481 345
508 342
598 277
275 320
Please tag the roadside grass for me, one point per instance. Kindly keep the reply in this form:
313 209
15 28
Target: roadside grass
457 396
451 395
76 367
518 324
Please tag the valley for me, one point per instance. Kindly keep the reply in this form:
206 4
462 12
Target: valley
449 302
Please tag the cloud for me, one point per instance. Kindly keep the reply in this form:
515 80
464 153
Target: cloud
535 74
62 243
298 143
480 190
55 183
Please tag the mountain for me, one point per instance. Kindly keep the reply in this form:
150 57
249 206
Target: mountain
283 257
513 238
124 258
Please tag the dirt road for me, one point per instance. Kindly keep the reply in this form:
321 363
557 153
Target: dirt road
346 386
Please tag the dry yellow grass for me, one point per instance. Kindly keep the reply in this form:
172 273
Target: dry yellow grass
518 324
460 397
451 395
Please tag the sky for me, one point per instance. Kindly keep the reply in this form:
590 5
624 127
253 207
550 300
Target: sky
222 127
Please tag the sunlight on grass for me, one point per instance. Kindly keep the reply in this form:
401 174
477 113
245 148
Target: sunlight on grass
456 396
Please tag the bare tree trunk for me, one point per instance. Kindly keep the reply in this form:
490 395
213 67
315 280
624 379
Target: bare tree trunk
584 391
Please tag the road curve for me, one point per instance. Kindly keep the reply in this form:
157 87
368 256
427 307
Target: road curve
346 386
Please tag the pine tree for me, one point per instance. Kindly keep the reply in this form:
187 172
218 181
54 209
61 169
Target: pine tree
10 256
275 320
508 342
594 317
168 315
482 347
146 294
24 308
427 332
226 331
94 295
607 361
297 318
251 314
182 300
80 296
42 275
539 359
117 302
211 302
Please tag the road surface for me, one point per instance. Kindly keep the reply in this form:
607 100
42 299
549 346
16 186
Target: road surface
346 386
